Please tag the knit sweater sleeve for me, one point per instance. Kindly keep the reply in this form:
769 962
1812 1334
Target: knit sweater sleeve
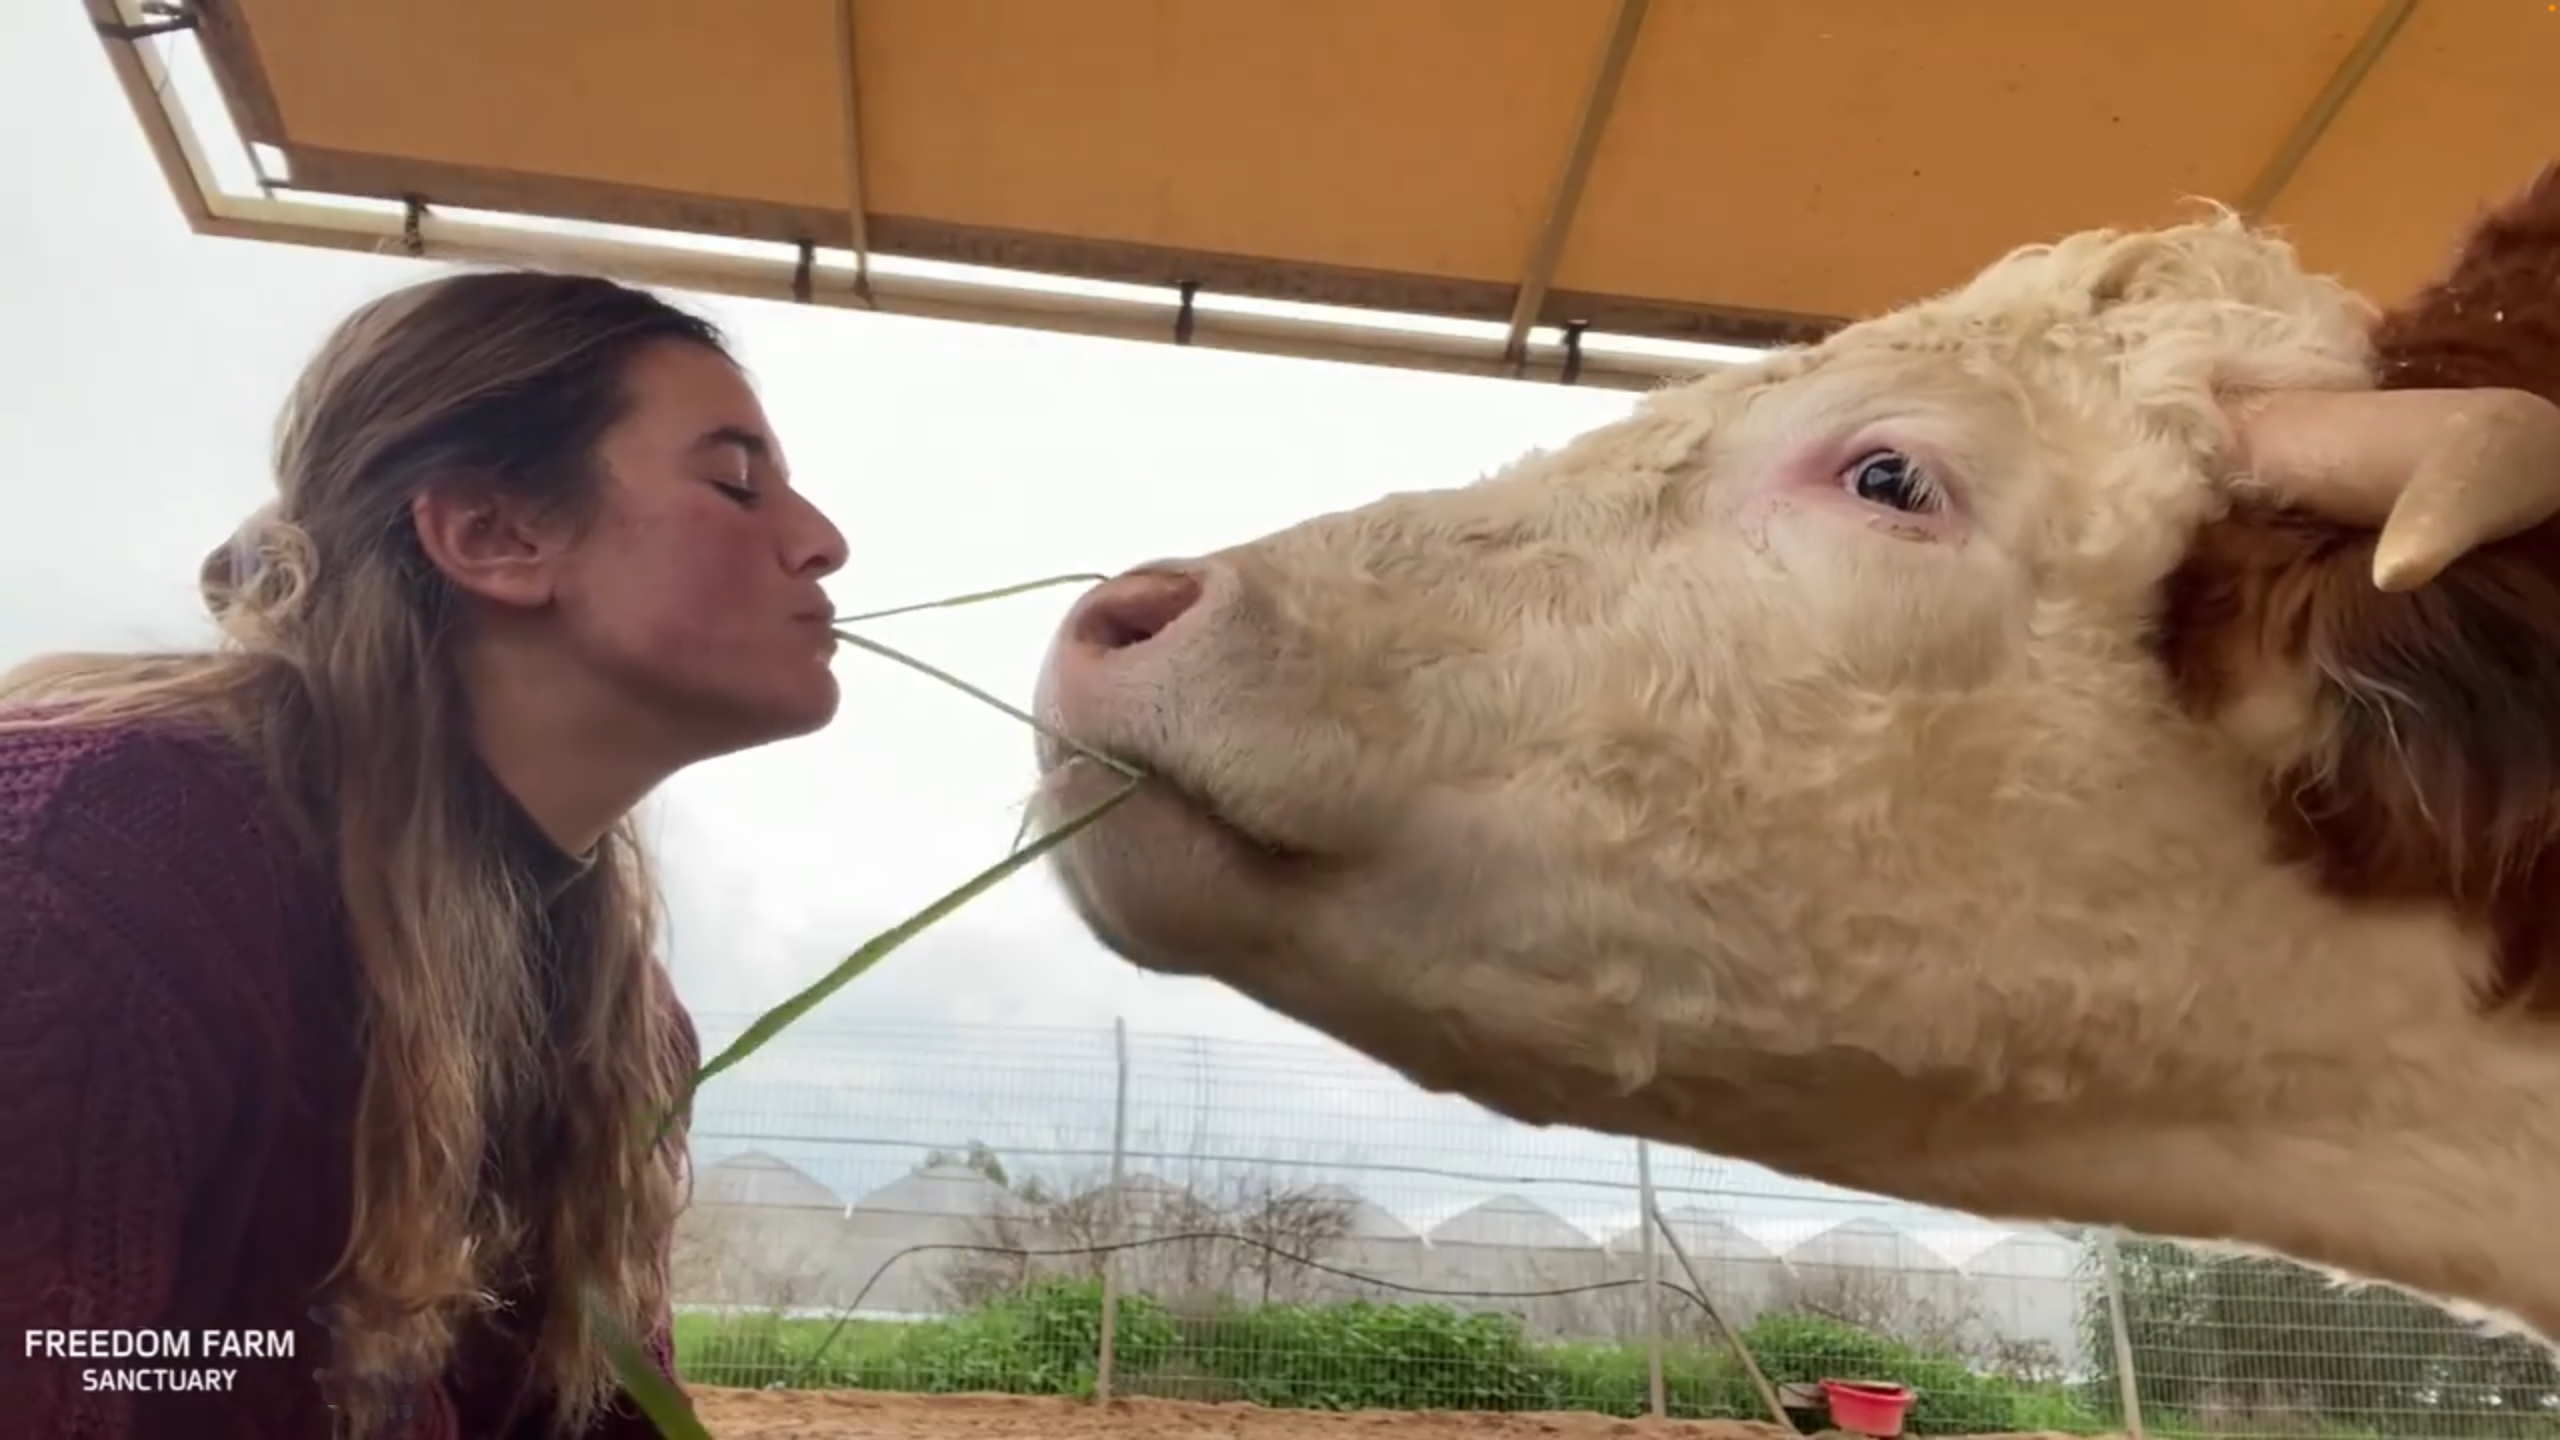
139 915
110 1098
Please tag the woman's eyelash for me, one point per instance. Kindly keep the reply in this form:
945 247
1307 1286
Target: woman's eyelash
739 491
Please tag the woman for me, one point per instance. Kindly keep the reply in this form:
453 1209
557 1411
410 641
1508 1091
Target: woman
328 993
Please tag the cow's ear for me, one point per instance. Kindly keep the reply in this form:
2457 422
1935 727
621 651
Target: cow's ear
2411 736
2411 740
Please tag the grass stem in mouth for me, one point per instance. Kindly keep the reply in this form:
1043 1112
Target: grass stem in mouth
1121 767
659 1400
974 597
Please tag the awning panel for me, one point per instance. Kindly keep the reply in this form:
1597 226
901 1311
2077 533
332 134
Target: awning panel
1760 169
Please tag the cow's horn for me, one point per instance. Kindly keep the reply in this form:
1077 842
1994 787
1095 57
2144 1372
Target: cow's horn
2441 472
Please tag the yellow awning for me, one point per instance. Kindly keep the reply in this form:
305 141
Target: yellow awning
1721 171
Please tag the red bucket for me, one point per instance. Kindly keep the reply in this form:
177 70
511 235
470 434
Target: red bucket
1865 1407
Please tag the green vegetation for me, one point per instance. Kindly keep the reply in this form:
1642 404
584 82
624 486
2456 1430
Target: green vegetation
1352 1356
2243 1344
2223 1346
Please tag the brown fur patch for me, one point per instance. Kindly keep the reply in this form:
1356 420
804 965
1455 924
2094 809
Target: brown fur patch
2438 773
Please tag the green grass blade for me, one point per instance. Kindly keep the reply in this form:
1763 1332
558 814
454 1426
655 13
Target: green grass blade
640 1377
668 1412
781 1017
936 672
657 1397
975 597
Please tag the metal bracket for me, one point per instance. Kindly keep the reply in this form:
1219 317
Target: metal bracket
1597 102
168 19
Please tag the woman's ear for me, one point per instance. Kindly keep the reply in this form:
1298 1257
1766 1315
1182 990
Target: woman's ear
488 545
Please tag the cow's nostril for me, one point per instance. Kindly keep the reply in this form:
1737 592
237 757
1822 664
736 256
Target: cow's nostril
1134 608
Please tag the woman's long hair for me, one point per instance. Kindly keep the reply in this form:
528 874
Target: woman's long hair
511 1075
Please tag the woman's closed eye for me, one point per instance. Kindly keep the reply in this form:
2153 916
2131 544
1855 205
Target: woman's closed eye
742 491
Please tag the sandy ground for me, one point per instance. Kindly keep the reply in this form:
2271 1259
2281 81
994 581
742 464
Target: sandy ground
868 1415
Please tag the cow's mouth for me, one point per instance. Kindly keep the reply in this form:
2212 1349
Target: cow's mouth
1269 847
1074 782
1169 879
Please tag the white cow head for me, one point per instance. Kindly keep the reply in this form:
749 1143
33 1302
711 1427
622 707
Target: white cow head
1844 762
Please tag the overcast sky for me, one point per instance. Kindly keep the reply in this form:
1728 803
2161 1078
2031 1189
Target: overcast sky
145 366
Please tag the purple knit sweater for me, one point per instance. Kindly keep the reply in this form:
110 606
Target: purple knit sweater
177 1093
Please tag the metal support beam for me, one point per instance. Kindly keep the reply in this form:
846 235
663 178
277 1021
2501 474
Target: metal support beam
856 209
1596 105
2324 109
415 230
147 89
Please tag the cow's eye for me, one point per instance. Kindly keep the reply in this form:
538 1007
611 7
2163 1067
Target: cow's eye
1892 479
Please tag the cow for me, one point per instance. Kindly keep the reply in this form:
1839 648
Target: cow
2082 747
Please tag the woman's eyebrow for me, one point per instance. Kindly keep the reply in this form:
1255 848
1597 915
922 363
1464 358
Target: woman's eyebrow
738 436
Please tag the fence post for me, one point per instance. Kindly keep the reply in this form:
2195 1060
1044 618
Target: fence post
1652 1283
2128 1384
1119 1204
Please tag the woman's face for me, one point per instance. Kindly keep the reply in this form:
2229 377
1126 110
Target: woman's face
694 587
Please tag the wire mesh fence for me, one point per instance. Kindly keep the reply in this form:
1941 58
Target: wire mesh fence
949 1210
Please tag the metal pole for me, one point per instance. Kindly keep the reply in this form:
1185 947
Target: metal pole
1732 1338
1652 1283
2128 1385
1119 1200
